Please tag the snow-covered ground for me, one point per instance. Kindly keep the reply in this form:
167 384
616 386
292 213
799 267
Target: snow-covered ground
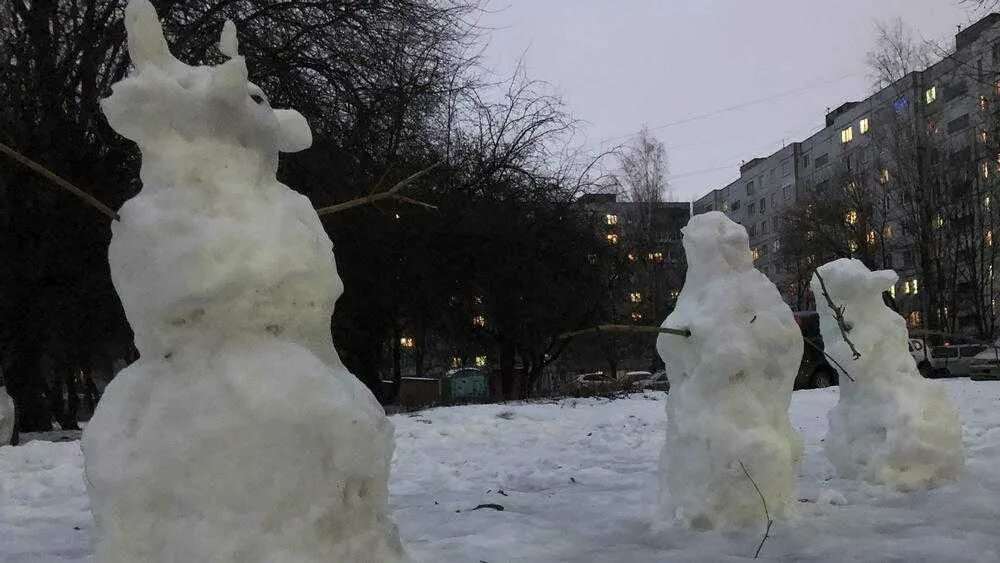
579 484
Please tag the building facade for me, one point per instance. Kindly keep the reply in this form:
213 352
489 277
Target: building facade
921 158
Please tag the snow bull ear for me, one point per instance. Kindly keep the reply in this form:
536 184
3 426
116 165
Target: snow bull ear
146 44
294 134
882 280
228 43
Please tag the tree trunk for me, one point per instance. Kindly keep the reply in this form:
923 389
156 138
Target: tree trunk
507 359
27 387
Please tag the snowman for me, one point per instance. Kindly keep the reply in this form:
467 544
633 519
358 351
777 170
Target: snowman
890 426
238 435
731 381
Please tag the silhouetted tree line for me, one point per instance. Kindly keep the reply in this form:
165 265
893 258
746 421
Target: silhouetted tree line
388 88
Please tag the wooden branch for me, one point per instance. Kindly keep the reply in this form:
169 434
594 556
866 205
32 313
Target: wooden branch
838 313
829 357
628 329
767 515
391 193
51 176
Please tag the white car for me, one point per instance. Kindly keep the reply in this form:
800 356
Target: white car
950 360
656 382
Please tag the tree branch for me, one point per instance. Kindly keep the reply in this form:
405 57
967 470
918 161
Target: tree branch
838 313
767 515
628 329
391 193
51 176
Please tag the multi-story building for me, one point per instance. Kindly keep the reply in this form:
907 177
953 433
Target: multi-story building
948 113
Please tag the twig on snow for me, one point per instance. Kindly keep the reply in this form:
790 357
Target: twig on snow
767 515
838 313
391 193
55 179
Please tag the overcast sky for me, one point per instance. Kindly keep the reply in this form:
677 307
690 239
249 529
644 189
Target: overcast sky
621 63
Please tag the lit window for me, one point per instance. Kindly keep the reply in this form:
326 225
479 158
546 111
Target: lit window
984 104
847 135
892 290
852 245
986 203
872 237
612 238
864 125
755 252
932 126
406 342
456 361
996 88
656 256
479 320
913 319
883 176
984 137
930 94
675 293
631 257
851 218
635 297
984 169
989 237
938 222
776 245
636 316
480 361
611 219
887 231
914 284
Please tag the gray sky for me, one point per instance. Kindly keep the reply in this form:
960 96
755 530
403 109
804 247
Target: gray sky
619 64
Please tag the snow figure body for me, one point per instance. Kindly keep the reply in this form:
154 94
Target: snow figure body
891 426
238 436
730 386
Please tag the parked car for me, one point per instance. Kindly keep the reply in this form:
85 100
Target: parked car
814 370
949 360
655 382
986 365
596 382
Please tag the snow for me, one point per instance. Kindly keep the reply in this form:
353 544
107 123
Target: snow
891 426
731 382
6 417
238 436
581 485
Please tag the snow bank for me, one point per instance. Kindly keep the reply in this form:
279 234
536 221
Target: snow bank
891 426
6 417
730 385
238 435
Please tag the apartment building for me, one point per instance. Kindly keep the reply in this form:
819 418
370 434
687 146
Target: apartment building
956 100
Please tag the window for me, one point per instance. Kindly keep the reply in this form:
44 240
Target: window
914 319
788 192
675 293
631 257
984 104
822 159
887 231
910 287
986 203
938 221
751 208
636 316
958 124
635 297
984 137
406 342
763 227
883 176
864 125
479 320
480 361
774 199
932 126
996 52
612 238
736 205
786 167
988 237
851 217
456 361
930 95
984 169
908 259
756 253
776 245
892 288
805 161
763 205
656 256
749 188
753 230
852 245
996 88
847 135
610 219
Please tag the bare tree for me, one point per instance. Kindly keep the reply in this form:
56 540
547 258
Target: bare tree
898 51
644 169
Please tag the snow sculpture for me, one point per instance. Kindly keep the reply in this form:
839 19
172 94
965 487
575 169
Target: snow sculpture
238 436
730 386
6 417
891 426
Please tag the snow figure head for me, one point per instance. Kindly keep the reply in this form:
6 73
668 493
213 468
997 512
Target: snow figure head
166 105
890 425
730 385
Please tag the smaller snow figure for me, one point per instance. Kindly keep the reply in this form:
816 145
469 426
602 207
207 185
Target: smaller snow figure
730 386
6 417
891 426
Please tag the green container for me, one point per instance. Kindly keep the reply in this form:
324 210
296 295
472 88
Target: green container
465 385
